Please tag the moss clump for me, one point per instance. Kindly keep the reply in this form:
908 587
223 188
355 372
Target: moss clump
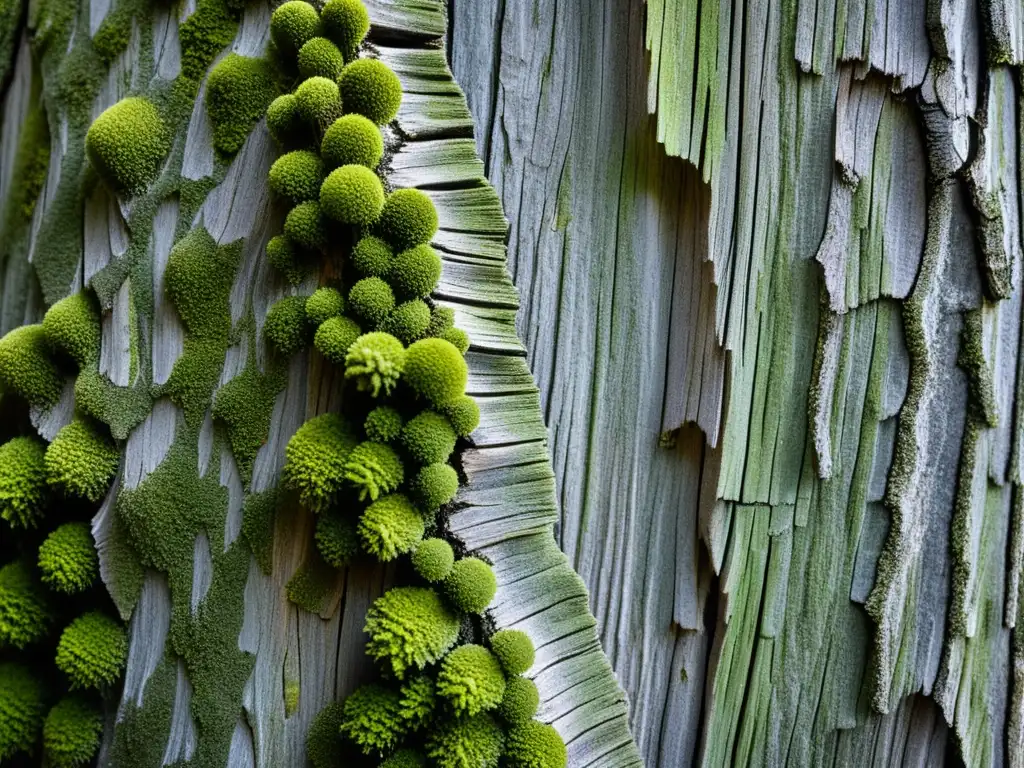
238 92
305 225
429 438
319 57
408 321
410 627
441 319
434 485
374 469
296 176
458 742
418 700
520 701
436 371
26 368
293 24
369 88
286 259
92 651
284 121
464 414
23 488
336 539
352 194
371 299
335 337
352 140
371 719
198 281
408 219
346 22
315 459
71 733
433 559
127 143
285 326
535 745
318 101
323 740
390 527
383 424
372 257
415 271
22 707
458 339
244 405
405 758
514 650
203 35
471 585
24 612
471 680
68 560
72 325
324 304
375 360
81 461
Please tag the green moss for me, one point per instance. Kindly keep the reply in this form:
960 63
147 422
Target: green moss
259 511
352 140
296 176
441 320
458 339
28 175
72 325
335 337
315 459
514 650
323 740
319 57
285 123
418 701
324 304
471 585
372 257
25 614
374 469
408 321
390 526
375 360
292 24
471 680
535 745
127 144
429 438
306 226
371 299
346 22
287 259
238 91
352 194
285 326
520 702
383 424
71 733
194 377
408 219
436 371
26 368
434 485
67 559
458 742
120 408
433 559
336 539
92 651
244 405
114 33
464 414
313 583
81 461
369 88
371 719
318 102
133 742
23 489
415 272
410 627
405 758
198 281
22 708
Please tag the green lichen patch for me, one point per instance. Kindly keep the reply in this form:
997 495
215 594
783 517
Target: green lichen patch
120 408
244 405
259 512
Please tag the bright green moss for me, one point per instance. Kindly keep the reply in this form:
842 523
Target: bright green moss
26 368
520 701
418 700
284 121
23 489
305 225
71 733
127 144
324 304
292 24
259 511
408 321
471 680
92 651
72 325
383 424
198 281
244 405
458 339
296 176
405 758
375 360
334 338
408 219
434 485
410 627
371 299
458 742
352 194
238 91
315 459
67 559
390 527
415 271
286 259
441 319
319 57
323 740
352 140
535 745
336 539
25 615
464 414
514 650
471 585
318 101
372 257
371 720
369 88
436 371
22 708
285 326
346 22
433 559
429 438
81 461
374 469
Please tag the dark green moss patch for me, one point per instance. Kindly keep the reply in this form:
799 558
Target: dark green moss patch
244 405
259 512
